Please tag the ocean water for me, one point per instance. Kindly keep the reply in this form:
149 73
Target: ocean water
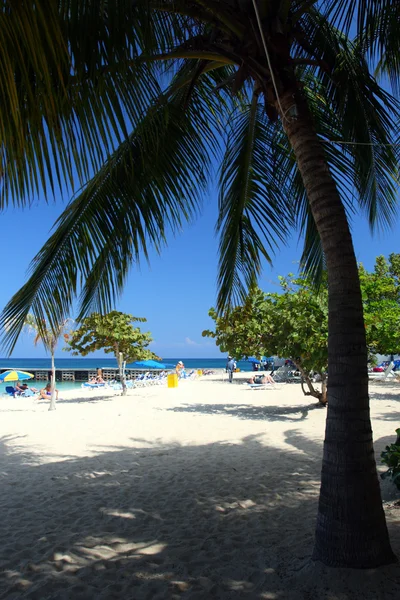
94 363
97 363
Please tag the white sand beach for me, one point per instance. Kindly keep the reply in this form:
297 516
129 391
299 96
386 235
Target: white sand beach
205 491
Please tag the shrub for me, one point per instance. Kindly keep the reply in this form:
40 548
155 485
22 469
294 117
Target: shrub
391 457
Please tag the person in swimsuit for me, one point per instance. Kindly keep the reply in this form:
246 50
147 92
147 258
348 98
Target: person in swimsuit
45 393
261 379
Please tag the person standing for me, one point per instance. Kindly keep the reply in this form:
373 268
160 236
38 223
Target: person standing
180 369
230 367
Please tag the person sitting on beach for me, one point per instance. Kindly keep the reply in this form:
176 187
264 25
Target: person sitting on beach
18 390
261 379
25 387
99 379
45 393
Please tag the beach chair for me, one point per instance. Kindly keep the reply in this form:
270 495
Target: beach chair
140 381
282 374
387 373
10 390
190 375
261 386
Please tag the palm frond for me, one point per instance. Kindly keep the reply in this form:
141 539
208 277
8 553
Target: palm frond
377 25
149 186
254 213
369 136
383 46
365 14
72 80
359 115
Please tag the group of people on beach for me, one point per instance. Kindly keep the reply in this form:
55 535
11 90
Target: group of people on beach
44 393
98 380
21 389
255 380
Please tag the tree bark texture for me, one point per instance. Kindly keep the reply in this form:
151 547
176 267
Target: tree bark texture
351 527
120 360
53 385
305 378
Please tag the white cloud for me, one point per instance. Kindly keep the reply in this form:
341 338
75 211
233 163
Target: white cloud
182 345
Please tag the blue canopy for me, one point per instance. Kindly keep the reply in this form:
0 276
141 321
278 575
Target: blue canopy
253 359
150 364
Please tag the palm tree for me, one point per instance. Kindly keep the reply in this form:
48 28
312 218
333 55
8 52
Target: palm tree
305 131
49 339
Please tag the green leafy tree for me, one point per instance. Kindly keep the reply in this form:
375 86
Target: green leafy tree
114 334
297 328
307 131
49 338
381 302
292 324
241 331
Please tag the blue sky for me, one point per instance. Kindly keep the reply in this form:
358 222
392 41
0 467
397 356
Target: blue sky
176 291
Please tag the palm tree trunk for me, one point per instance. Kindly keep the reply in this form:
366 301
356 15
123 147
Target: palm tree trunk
120 360
324 398
351 528
53 384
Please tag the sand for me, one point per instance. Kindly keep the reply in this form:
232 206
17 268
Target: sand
205 491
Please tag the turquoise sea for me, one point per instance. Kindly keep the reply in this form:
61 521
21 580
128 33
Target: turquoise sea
95 363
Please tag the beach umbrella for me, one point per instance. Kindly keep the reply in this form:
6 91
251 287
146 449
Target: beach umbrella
150 364
252 359
13 375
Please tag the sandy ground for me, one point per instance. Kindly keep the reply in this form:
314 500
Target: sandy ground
205 491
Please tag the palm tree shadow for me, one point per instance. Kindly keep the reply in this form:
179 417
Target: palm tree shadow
250 412
393 396
391 416
85 400
312 448
219 520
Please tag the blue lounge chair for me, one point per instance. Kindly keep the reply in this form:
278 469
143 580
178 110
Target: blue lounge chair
10 390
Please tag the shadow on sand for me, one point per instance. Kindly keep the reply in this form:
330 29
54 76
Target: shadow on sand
220 521
246 411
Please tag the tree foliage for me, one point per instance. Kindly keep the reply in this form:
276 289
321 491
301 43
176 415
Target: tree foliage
44 334
381 301
293 323
113 333
49 337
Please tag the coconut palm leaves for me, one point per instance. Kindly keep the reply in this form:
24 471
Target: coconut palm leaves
147 189
255 209
195 80
69 85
